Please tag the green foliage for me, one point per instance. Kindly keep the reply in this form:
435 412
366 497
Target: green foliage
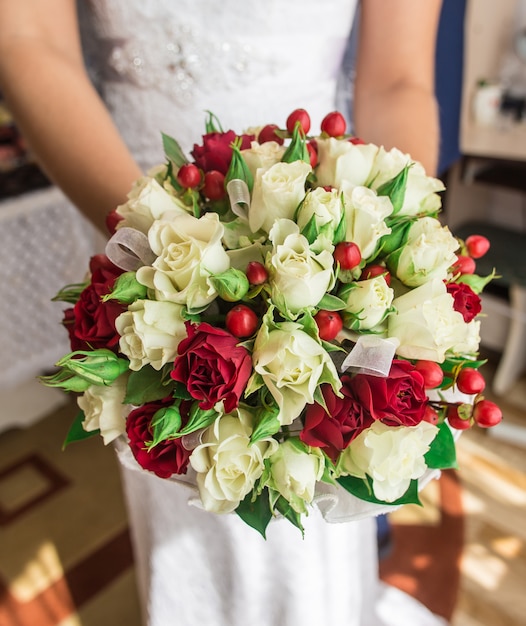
77 432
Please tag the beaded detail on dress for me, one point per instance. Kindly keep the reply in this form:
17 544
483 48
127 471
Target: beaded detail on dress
161 64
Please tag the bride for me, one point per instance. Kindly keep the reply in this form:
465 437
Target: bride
159 65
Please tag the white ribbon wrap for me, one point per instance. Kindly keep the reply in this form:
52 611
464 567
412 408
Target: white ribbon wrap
371 355
129 249
239 196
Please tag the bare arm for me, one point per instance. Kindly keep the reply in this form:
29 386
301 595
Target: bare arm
68 128
395 104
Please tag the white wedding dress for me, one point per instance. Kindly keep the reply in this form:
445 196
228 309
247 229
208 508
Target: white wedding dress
160 65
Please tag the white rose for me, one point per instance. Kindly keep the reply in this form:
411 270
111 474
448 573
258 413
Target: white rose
339 160
470 342
227 464
425 322
292 364
367 302
147 202
150 332
324 207
188 251
262 155
294 472
365 213
428 253
104 410
391 455
421 194
277 193
299 277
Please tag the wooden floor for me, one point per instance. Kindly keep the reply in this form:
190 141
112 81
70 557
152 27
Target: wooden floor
65 557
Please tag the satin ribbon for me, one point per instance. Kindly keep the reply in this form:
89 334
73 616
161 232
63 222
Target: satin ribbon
129 249
371 355
239 196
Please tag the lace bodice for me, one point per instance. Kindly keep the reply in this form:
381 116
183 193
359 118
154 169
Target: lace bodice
161 64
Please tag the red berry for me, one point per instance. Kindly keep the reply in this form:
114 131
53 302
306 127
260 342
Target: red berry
301 116
370 271
454 419
267 133
214 185
357 141
486 414
431 372
329 324
477 246
313 154
334 124
189 175
430 415
256 273
470 381
464 265
348 255
241 321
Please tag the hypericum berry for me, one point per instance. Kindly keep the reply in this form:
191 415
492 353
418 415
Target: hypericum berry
241 321
329 324
268 133
477 245
313 154
347 254
214 185
357 141
486 414
189 176
464 265
301 116
431 372
370 271
455 420
256 273
470 381
430 415
334 124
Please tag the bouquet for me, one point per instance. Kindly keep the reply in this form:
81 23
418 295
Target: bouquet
279 312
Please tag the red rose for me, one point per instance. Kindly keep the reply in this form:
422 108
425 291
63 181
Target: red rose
398 400
167 457
94 320
213 366
216 151
334 429
466 301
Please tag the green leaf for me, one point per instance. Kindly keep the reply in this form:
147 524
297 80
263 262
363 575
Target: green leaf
173 151
77 432
284 507
395 189
238 169
198 419
213 125
148 385
266 424
363 488
310 230
297 149
70 293
331 303
256 512
442 453
340 234
477 283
